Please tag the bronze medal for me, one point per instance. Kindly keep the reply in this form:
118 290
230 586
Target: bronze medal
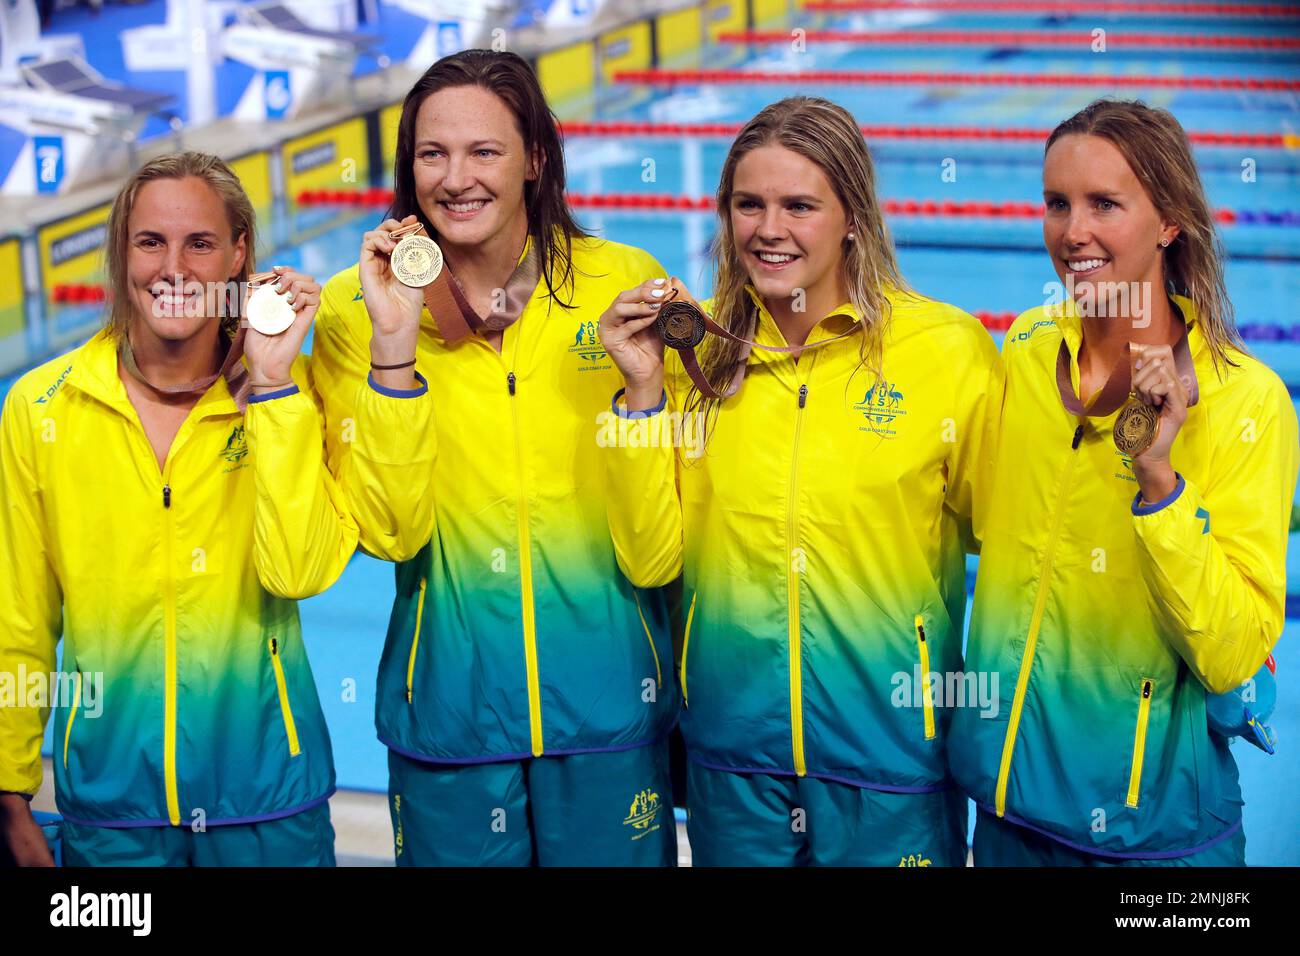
680 324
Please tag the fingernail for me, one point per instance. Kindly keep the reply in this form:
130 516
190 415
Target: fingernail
279 287
656 292
655 305
290 299
1139 364
660 281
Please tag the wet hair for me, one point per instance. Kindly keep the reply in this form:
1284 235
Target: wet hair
550 222
1156 148
828 135
221 179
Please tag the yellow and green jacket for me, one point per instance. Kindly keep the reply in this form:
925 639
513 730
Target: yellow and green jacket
822 534
184 695
513 633
1109 620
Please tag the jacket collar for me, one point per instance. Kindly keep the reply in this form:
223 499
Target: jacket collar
838 321
1071 326
94 372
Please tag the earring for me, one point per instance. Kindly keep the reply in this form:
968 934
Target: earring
850 237
1164 243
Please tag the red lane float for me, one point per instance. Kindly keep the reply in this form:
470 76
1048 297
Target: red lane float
1017 38
698 130
1131 7
74 293
661 77
378 196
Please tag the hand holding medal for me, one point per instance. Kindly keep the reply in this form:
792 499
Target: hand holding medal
1155 385
627 332
1162 396
279 310
388 280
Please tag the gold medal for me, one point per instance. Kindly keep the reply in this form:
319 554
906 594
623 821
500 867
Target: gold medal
267 310
1136 428
416 261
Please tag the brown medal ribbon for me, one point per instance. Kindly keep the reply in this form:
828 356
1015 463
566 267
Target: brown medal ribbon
682 325
451 311
232 370
1132 437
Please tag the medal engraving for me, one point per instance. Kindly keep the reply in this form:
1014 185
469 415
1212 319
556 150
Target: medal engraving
416 261
1136 428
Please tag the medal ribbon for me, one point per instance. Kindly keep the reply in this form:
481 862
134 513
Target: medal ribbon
1119 385
691 363
232 370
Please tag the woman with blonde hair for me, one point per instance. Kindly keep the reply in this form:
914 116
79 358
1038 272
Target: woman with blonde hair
165 504
1134 557
822 531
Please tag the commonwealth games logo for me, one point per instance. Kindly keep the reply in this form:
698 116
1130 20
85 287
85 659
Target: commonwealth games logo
586 345
643 814
881 406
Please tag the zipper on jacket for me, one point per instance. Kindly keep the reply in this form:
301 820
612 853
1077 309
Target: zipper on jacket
169 660
792 594
415 642
290 728
67 731
686 646
1140 742
659 674
526 589
926 702
1035 621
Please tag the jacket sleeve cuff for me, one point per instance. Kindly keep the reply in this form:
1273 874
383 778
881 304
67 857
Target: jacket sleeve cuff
399 392
271 396
1140 509
622 412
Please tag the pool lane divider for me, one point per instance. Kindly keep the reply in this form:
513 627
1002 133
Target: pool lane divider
379 196
1236 11
982 133
1116 41
803 78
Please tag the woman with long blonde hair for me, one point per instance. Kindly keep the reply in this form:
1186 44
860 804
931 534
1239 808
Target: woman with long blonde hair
822 530
1134 563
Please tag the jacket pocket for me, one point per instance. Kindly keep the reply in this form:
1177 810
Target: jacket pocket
1140 742
686 647
415 643
290 729
659 674
72 715
927 703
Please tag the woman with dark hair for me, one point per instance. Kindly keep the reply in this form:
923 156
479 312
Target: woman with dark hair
1134 563
822 532
523 689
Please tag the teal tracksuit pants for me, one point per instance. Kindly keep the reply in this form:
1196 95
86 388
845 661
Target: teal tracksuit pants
594 809
757 819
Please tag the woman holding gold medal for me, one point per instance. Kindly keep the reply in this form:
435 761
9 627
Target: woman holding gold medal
524 691
822 531
1133 565
166 502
